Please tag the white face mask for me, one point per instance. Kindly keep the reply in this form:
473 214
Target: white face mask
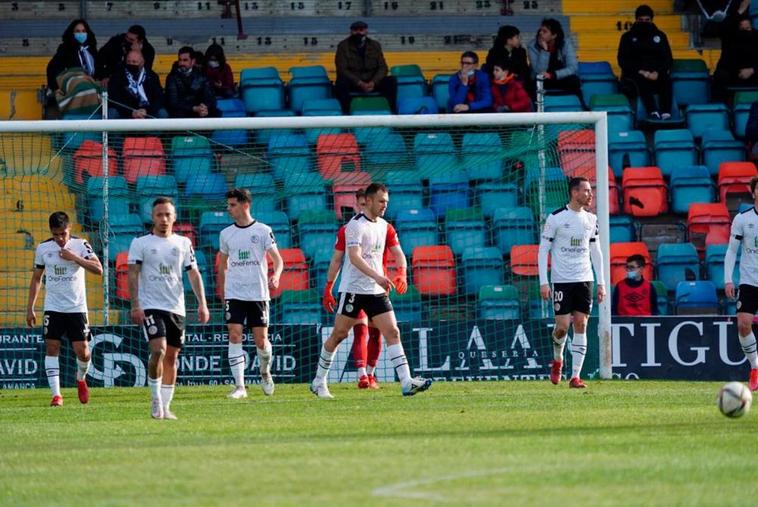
214 64
718 16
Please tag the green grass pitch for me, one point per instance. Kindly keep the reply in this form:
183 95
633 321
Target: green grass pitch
487 443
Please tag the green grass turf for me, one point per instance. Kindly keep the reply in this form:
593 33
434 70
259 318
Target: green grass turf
486 443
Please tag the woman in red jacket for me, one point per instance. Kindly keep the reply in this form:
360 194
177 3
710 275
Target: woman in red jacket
219 73
508 93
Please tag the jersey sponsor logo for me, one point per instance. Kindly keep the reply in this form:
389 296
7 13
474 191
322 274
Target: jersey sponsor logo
60 270
164 269
243 255
59 275
166 274
754 249
244 259
576 241
575 248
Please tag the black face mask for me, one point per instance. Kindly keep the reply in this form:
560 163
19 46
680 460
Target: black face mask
133 70
644 28
358 39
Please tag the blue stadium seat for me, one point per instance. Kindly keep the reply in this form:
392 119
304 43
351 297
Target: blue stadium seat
317 230
321 107
434 153
464 228
262 188
493 195
742 102
208 187
72 140
308 83
407 191
641 115
124 228
677 262
386 150
704 117
190 155
627 148
513 226
417 105
597 79
204 268
499 302
211 224
674 148
410 81
230 106
231 137
481 266
118 192
448 190
261 89
690 82
262 136
719 146
620 115
532 176
300 307
696 298
408 307
663 297
622 229
714 265
280 226
562 103
304 193
690 184
288 153
482 155
150 187
319 268
441 90
416 227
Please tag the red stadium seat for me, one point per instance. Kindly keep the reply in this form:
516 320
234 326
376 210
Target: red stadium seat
434 270
122 276
188 230
524 260
613 188
645 193
734 183
88 159
708 219
295 275
344 194
619 254
576 149
337 154
143 156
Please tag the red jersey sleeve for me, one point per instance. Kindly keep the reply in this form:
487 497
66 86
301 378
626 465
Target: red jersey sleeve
339 245
391 239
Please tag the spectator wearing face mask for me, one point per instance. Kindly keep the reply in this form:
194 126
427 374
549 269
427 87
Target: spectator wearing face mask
78 49
188 92
738 63
112 56
219 73
135 91
634 296
469 88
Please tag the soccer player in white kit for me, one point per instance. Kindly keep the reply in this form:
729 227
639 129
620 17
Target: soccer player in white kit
244 282
365 287
745 235
156 262
571 236
63 258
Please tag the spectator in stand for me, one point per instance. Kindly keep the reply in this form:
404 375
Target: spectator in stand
507 48
469 88
219 73
78 49
644 56
508 94
739 54
634 295
552 56
135 91
361 68
112 56
188 92
751 133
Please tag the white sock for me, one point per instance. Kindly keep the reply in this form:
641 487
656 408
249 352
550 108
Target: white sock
324 363
82 367
400 362
53 372
361 372
558 344
370 370
237 363
155 388
749 348
578 351
264 359
167 394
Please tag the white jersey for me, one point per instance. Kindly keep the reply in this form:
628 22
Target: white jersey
745 230
162 261
64 280
570 234
370 235
247 265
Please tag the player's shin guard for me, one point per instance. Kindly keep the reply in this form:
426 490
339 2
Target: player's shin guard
578 351
324 363
360 351
52 370
237 363
749 348
82 367
558 344
400 363
264 359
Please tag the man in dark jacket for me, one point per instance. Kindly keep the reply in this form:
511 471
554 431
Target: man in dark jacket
135 91
361 68
739 56
644 56
188 92
112 56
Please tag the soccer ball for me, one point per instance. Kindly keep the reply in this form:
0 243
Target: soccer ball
734 399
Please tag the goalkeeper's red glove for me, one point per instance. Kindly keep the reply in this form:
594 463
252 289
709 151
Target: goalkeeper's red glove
401 281
328 301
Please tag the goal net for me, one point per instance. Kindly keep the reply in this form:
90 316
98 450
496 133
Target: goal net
468 197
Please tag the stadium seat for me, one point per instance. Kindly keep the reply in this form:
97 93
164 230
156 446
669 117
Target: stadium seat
307 83
143 156
407 191
27 155
410 82
187 230
300 307
124 228
674 148
416 227
719 146
482 155
734 183
714 265
344 196
524 266
627 149
434 270
465 228
676 262
663 298
562 103
554 190
493 195
262 188
690 82
417 105
321 107
742 102
202 266
118 196
211 224
499 302
448 190
645 193
261 89
190 155
620 252
151 187
408 307
295 276
71 140
620 115
654 233
704 117
643 119
441 90
304 193
576 148
337 154
288 153
481 266
122 276
280 226
385 151
597 78
88 161
703 218
622 229
513 226
317 230
369 105
434 153
206 187
263 136
319 268
690 184
696 298
231 137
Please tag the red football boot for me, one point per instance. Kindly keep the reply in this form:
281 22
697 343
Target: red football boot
555 371
363 382
753 379
372 383
57 401
82 390
576 383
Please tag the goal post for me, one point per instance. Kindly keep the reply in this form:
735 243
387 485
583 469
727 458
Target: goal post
42 163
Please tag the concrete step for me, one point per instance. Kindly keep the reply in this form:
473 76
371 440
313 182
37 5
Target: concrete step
620 23
602 39
571 7
710 56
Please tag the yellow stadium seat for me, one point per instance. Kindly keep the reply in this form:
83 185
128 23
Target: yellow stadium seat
14 241
29 154
18 104
17 260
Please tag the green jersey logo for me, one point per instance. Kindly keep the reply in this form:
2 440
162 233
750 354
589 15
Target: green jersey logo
576 241
164 269
244 255
60 270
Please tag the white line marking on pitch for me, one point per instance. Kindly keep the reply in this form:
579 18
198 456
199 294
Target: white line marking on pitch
400 489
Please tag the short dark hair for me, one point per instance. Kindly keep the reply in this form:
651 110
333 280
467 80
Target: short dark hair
163 200
360 193
138 30
575 182
57 220
753 184
643 10
374 188
470 54
502 63
185 50
241 194
506 32
639 259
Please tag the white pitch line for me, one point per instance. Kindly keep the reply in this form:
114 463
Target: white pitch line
398 490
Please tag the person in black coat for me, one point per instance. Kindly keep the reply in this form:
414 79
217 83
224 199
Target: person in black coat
645 58
78 49
188 92
738 65
507 48
135 91
112 56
